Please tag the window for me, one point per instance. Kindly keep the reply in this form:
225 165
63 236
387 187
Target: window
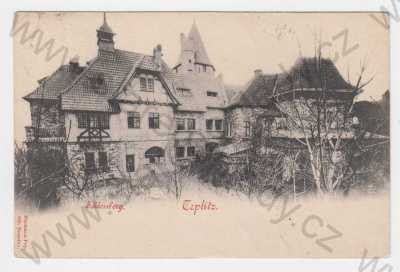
93 120
143 84
228 129
204 68
191 152
96 80
180 124
133 119
104 121
154 154
180 152
99 81
83 120
191 124
103 164
154 120
146 83
130 163
150 84
247 129
213 94
209 124
89 161
218 124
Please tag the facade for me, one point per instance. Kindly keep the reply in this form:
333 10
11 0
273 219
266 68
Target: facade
202 97
125 112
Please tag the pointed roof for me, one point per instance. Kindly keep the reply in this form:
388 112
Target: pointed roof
105 27
200 52
193 42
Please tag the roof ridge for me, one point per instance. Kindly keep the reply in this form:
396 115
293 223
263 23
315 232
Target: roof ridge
134 52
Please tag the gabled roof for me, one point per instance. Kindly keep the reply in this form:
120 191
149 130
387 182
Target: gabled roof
52 86
115 67
306 74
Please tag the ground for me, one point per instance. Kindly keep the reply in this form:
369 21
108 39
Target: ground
229 225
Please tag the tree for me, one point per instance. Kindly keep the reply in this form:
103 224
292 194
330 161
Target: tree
320 120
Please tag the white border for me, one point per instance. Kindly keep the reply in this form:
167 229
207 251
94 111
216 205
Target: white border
9 263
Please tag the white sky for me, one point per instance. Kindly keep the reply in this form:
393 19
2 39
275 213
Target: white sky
237 44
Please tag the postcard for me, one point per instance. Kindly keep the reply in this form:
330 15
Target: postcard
201 134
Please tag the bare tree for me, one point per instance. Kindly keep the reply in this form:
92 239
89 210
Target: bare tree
320 120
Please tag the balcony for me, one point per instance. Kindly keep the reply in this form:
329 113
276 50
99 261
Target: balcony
45 134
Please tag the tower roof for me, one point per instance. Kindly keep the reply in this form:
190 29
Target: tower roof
105 27
194 43
201 55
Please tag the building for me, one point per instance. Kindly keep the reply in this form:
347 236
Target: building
125 112
277 124
200 116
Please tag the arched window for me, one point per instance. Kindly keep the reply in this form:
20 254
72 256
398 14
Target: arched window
154 154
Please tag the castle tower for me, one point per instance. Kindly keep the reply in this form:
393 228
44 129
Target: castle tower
193 57
105 36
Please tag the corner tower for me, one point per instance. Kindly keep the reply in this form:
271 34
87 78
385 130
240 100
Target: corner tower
193 57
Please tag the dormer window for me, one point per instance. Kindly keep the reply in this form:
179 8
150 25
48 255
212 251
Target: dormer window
146 84
97 81
212 94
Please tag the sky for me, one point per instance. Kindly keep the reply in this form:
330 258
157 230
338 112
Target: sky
237 44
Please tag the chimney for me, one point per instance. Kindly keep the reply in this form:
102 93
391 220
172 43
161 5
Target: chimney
258 72
157 55
74 64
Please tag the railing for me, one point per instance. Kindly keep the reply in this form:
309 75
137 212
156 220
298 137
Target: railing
33 133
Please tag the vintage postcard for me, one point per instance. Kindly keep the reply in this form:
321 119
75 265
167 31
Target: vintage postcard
201 134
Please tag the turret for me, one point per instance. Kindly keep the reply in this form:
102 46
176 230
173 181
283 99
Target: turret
105 36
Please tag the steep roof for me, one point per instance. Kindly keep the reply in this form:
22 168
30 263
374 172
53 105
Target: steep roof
52 86
306 74
114 67
201 55
313 73
193 42
257 92
105 27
